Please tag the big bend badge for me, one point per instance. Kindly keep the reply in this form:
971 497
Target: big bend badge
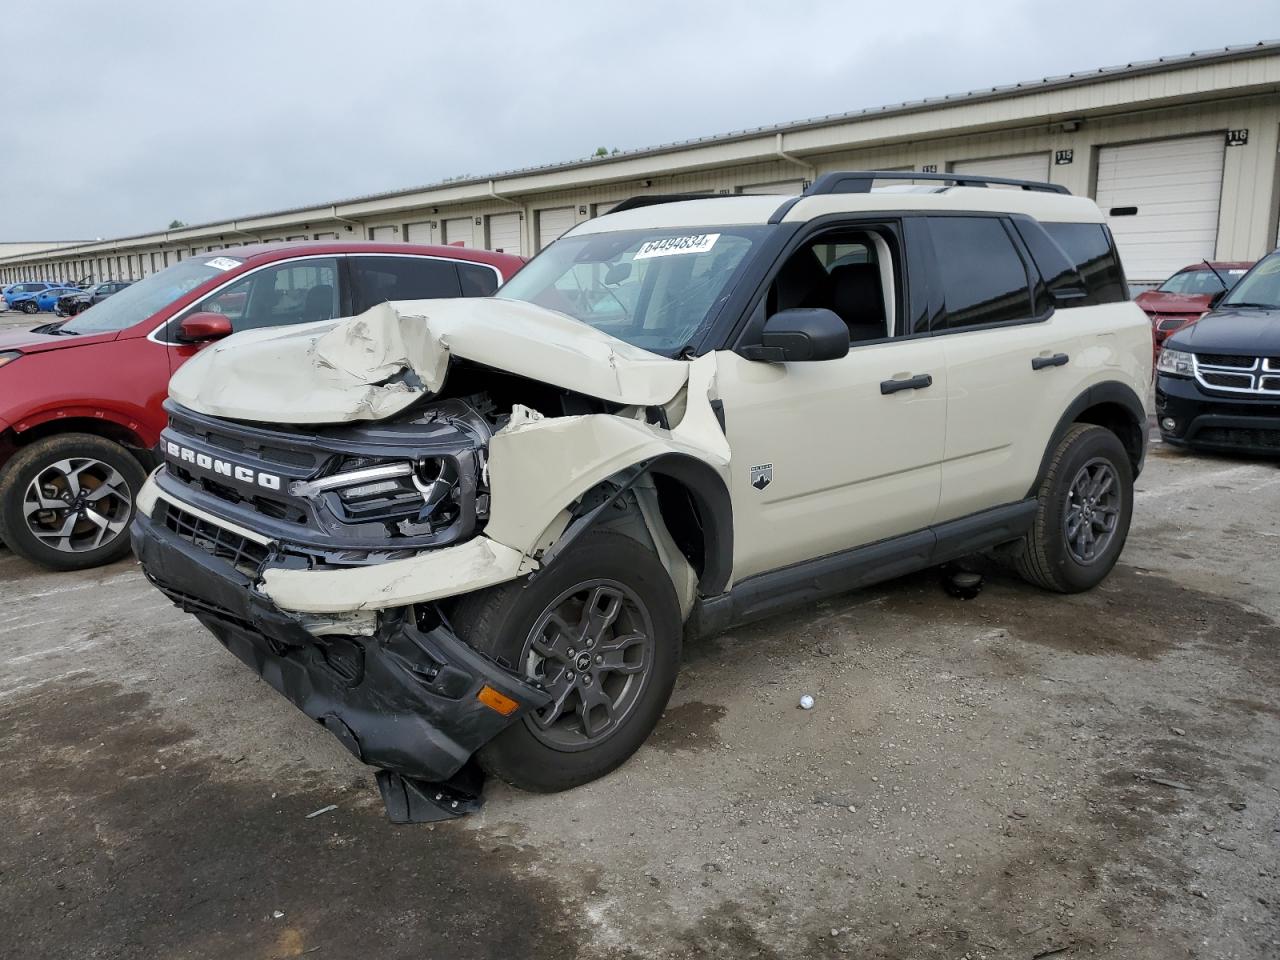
762 475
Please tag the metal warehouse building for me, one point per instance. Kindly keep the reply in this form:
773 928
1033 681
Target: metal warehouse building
1181 154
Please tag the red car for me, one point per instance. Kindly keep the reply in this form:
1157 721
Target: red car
1187 296
80 401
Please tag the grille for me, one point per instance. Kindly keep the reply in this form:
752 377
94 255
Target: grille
1240 437
1226 360
1255 375
242 553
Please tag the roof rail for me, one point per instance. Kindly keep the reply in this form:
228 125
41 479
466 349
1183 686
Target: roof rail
859 181
652 199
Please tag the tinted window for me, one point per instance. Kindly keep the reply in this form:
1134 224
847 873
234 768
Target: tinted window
477 280
983 277
379 279
1088 246
300 291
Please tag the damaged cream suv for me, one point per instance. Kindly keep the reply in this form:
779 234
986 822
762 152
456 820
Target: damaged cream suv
482 527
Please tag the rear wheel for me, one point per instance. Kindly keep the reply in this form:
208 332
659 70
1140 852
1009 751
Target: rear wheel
66 501
1086 504
600 631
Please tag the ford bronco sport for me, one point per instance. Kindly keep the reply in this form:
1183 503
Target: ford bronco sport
458 527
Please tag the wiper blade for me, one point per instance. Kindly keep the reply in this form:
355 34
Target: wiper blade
1259 306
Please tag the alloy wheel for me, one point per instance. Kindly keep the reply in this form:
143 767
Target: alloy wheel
1092 511
77 504
592 649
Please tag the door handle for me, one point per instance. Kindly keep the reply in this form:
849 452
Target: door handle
909 383
1057 360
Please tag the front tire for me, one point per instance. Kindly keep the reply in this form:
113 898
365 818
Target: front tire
600 630
66 501
29 306
1085 507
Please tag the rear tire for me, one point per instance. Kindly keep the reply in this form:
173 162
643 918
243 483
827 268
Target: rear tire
545 629
66 501
1085 507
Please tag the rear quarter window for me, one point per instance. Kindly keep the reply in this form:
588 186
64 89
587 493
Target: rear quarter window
1092 252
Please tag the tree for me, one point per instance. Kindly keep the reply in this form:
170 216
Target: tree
175 224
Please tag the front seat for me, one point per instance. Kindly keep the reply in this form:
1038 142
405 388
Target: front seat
319 304
857 296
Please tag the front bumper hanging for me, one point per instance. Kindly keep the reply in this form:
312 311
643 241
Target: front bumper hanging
412 700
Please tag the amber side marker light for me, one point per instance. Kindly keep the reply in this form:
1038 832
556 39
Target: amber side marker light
496 701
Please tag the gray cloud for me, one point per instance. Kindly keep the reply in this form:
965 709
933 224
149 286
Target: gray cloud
121 117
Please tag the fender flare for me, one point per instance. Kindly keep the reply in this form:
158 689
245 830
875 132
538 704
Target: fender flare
711 500
1108 392
126 421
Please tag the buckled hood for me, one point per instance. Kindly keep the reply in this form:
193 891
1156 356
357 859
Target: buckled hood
374 365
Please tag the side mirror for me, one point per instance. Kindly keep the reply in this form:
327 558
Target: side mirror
802 333
204 326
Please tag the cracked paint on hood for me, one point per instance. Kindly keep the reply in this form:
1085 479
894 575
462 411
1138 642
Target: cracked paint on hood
374 365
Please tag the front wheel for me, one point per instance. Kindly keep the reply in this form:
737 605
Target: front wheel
600 631
1085 507
29 306
66 501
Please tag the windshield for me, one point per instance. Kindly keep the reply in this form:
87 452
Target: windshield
655 289
136 302
1195 282
1259 288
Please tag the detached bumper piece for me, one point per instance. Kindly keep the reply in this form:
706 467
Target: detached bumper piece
412 700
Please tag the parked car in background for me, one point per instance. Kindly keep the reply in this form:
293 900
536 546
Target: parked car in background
16 290
1187 295
44 300
80 402
77 300
1218 379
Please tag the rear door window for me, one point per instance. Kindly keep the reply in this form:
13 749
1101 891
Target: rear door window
380 279
983 277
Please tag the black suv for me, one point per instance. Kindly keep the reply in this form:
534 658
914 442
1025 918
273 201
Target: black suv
1218 380
77 301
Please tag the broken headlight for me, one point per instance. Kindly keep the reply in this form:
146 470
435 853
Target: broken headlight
407 497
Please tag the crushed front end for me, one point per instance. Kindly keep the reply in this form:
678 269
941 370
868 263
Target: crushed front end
235 501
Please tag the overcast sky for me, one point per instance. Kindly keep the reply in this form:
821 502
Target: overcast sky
120 117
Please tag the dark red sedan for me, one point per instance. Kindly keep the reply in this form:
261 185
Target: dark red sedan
1186 296
80 401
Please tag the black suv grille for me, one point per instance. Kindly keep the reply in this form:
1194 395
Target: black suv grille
1226 360
242 553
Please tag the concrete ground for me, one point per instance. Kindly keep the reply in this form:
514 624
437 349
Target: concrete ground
1020 775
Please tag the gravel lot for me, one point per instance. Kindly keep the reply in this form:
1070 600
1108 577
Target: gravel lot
1020 775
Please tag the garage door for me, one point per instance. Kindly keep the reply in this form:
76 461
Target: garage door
504 233
553 222
1026 166
789 188
459 229
419 232
1161 201
602 208
385 234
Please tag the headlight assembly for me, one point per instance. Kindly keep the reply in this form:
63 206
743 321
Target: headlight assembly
9 356
1176 363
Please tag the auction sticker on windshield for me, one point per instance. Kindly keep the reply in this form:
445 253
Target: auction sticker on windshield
669 246
222 263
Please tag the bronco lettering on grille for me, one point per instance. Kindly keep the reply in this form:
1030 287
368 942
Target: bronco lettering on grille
268 481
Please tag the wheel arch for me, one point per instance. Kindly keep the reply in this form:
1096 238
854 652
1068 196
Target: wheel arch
1109 404
694 505
105 424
